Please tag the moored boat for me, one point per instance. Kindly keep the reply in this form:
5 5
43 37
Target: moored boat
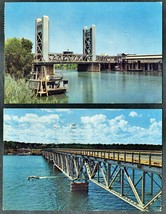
43 83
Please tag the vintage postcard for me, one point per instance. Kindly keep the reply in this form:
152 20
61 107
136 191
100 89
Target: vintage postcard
82 159
83 52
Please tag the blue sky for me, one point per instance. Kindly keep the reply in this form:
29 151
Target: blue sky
105 126
120 27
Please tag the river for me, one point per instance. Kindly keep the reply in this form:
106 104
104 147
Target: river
110 87
52 192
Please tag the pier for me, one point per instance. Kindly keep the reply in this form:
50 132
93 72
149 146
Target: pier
133 176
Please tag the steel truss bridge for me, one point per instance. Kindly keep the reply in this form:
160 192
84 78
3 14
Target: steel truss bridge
103 62
74 58
89 61
135 177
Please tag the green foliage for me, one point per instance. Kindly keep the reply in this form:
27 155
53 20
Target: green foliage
66 66
18 57
14 145
26 44
16 91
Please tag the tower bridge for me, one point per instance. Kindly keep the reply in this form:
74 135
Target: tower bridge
88 60
133 176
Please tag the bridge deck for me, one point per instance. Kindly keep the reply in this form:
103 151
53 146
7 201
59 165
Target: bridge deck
148 158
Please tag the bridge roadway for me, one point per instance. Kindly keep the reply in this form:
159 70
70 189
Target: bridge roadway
146 158
133 176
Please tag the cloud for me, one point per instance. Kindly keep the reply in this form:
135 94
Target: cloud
152 120
96 119
47 110
6 117
34 118
57 110
155 126
50 128
133 114
118 124
30 128
64 110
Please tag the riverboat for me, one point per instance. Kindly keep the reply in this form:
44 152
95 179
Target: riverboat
43 83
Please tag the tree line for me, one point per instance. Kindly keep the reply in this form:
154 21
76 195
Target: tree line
16 145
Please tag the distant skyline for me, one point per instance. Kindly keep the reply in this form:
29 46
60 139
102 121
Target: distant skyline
124 27
93 126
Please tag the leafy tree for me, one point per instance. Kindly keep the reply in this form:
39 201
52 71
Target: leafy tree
18 57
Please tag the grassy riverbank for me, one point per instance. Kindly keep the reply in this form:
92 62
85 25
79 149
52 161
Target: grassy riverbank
18 92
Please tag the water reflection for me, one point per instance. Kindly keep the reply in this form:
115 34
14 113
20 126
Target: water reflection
86 84
111 87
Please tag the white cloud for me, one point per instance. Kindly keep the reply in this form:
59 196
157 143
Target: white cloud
118 124
155 126
96 119
31 128
6 117
34 118
94 129
152 120
133 114
48 110
64 110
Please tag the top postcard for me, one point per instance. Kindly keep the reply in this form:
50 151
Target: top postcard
83 52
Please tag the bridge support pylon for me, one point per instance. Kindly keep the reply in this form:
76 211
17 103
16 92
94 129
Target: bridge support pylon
91 67
89 41
42 38
79 186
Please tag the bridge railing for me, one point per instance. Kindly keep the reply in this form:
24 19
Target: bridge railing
150 158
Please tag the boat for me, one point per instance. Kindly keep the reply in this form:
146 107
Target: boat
33 177
43 83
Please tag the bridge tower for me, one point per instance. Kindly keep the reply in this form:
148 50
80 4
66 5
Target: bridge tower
89 41
42 38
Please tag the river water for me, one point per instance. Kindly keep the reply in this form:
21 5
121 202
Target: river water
52 192
111 87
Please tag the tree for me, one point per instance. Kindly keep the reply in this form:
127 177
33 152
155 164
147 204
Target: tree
18 57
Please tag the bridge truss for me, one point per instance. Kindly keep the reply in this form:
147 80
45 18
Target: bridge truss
74 58
138 184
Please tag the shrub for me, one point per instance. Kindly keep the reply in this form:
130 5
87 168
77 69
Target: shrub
16 91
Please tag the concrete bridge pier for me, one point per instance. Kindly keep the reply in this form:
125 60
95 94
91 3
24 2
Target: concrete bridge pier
79 186
38 68
91 66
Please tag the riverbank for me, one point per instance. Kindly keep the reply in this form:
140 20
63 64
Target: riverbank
21 148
